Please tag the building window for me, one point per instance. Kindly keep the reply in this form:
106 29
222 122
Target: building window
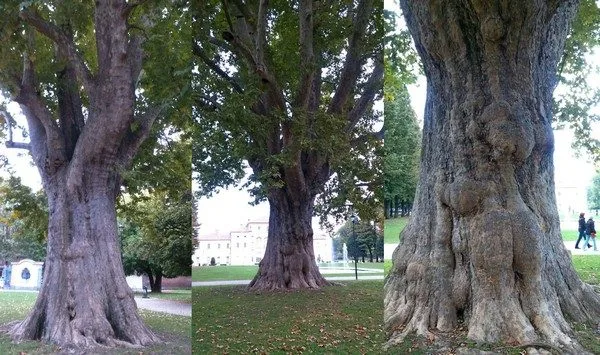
227 245
237 245
244 245
208 246
219 246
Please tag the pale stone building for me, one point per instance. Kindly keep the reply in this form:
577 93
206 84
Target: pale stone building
247 245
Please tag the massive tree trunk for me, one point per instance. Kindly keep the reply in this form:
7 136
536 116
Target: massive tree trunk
84 299
483 245
289 260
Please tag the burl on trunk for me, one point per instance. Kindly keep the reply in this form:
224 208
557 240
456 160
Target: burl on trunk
483 245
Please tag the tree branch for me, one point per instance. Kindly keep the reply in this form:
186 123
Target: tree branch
57 36
241 39
10 121
135 137
197 50
361 140
261 31
307 56
132 5
372 87
45 134
352 64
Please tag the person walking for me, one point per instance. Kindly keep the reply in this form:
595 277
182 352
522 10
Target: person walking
581 230
590 233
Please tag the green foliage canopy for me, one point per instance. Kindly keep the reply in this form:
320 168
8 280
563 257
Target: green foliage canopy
288 85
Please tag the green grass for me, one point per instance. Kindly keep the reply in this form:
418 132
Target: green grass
173 330
392 229
180 295
366 265
588 268
569 235
230 272
337 320
247 272
387 266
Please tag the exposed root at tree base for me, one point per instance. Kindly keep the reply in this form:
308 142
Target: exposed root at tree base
83 343
267 287
456 342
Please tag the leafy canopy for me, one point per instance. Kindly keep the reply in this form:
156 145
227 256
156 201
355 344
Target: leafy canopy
266 116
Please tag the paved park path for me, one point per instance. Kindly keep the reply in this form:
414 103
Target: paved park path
570 245
164 306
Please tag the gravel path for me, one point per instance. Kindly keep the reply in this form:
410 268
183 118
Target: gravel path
165 306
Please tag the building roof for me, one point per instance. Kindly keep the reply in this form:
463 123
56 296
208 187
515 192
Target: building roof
214 235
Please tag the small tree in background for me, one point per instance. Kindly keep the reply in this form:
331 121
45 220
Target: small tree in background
593 193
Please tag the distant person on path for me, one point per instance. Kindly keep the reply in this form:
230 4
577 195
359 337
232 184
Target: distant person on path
590 233
581 230
6 272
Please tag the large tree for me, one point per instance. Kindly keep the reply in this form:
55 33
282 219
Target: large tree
483 245
81 73
593 193
23 221
289 88
401 151
156 237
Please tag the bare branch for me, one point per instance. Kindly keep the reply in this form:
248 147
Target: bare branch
10 121
215 67
307 56
18 145
261 31
135 55
372 87
62 40
352 64
37 110
135 137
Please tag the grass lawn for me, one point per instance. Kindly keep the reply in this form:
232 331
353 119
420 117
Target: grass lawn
569 235
181 295
229 272
336 320
392 229
174 330
247 272
588 268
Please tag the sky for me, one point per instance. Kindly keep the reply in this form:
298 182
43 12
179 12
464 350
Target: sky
18 159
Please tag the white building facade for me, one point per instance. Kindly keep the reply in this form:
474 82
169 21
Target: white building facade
247 246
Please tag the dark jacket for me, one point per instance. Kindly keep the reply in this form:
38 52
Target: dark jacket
581 224
589 227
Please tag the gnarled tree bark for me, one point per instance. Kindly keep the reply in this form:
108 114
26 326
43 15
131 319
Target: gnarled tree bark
289 260
483 244
84 300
